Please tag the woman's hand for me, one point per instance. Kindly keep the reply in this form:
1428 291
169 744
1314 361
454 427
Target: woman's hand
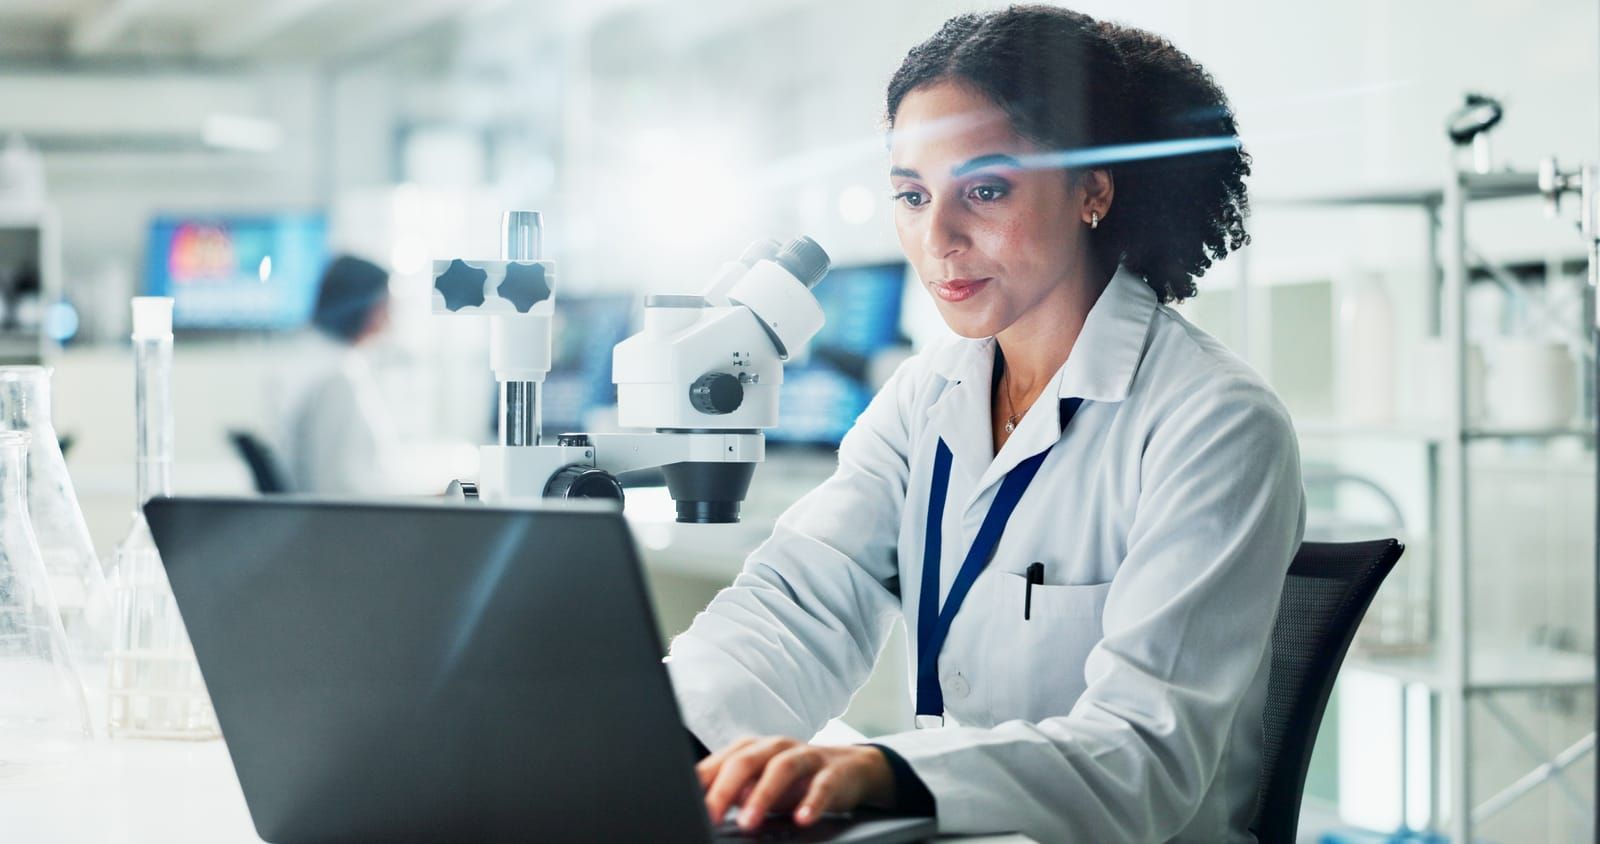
775 774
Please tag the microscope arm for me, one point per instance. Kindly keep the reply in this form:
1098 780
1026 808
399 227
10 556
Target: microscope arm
617 453
510 473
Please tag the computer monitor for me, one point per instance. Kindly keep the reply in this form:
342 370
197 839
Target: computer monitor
822 396
244 272
587 327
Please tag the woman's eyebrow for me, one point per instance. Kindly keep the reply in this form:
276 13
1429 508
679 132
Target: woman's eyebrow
994 159
982 161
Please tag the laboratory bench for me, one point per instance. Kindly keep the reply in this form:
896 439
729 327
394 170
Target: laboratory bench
149 791
131 791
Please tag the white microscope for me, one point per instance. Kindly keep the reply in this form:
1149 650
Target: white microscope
702 376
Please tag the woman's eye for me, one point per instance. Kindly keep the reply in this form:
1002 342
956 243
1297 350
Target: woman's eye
987 193
909 198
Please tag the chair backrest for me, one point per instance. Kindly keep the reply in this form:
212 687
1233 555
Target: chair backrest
1329 587
264 467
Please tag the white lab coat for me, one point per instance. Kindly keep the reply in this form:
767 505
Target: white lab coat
334 433
1129 707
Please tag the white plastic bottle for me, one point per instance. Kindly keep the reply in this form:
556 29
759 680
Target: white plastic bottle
1365 367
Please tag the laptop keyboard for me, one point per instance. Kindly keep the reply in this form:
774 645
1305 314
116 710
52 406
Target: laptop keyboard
778 828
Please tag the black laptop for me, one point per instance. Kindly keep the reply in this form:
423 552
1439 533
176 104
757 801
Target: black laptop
386 672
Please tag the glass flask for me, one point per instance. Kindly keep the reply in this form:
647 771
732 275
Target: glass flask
43 710
76 579
155 686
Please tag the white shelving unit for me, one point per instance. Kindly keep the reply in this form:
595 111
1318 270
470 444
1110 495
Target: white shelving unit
1459 669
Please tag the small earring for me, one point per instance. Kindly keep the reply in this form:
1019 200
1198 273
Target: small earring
1094 219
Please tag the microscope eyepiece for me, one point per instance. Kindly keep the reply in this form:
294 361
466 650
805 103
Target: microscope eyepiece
805 260
767 249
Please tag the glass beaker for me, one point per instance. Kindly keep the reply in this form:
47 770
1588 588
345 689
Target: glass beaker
155 690
76 578
43 709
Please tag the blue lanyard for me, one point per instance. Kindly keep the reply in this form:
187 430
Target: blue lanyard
933 623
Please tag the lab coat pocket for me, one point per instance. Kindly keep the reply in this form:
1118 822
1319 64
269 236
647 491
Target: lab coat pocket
1045 652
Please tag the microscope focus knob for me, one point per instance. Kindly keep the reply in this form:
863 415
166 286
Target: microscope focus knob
579 481
716 393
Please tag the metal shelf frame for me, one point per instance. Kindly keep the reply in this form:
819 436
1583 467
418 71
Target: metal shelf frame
1459 671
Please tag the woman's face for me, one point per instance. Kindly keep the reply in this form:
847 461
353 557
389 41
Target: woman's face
989 239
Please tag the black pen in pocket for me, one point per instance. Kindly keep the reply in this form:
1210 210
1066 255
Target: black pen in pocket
1035 575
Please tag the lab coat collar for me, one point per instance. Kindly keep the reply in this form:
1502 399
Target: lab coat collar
1112 342
960 415
1100 368
1104 359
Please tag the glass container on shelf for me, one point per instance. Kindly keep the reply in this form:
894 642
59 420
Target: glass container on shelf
1351 501
76 579
1400 621
155 686
43 710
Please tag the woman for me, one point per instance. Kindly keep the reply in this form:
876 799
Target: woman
1083 507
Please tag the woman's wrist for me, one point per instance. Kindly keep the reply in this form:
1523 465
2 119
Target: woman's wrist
877 777
908 793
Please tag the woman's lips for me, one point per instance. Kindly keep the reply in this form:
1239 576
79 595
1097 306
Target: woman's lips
959 289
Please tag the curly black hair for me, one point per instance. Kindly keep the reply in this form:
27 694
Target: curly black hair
1070 82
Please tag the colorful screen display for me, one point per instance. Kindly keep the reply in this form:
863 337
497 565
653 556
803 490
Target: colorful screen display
238 272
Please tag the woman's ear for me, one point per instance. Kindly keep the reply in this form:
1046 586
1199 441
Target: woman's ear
1098 190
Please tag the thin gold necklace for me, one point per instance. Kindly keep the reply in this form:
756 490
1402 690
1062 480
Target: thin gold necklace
1005 389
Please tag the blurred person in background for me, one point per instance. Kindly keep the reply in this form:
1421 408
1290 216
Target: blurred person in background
337 433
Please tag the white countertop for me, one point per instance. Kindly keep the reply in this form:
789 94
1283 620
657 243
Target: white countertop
137 792
126 791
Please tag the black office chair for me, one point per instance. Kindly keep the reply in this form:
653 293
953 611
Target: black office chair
269 476
1329 588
